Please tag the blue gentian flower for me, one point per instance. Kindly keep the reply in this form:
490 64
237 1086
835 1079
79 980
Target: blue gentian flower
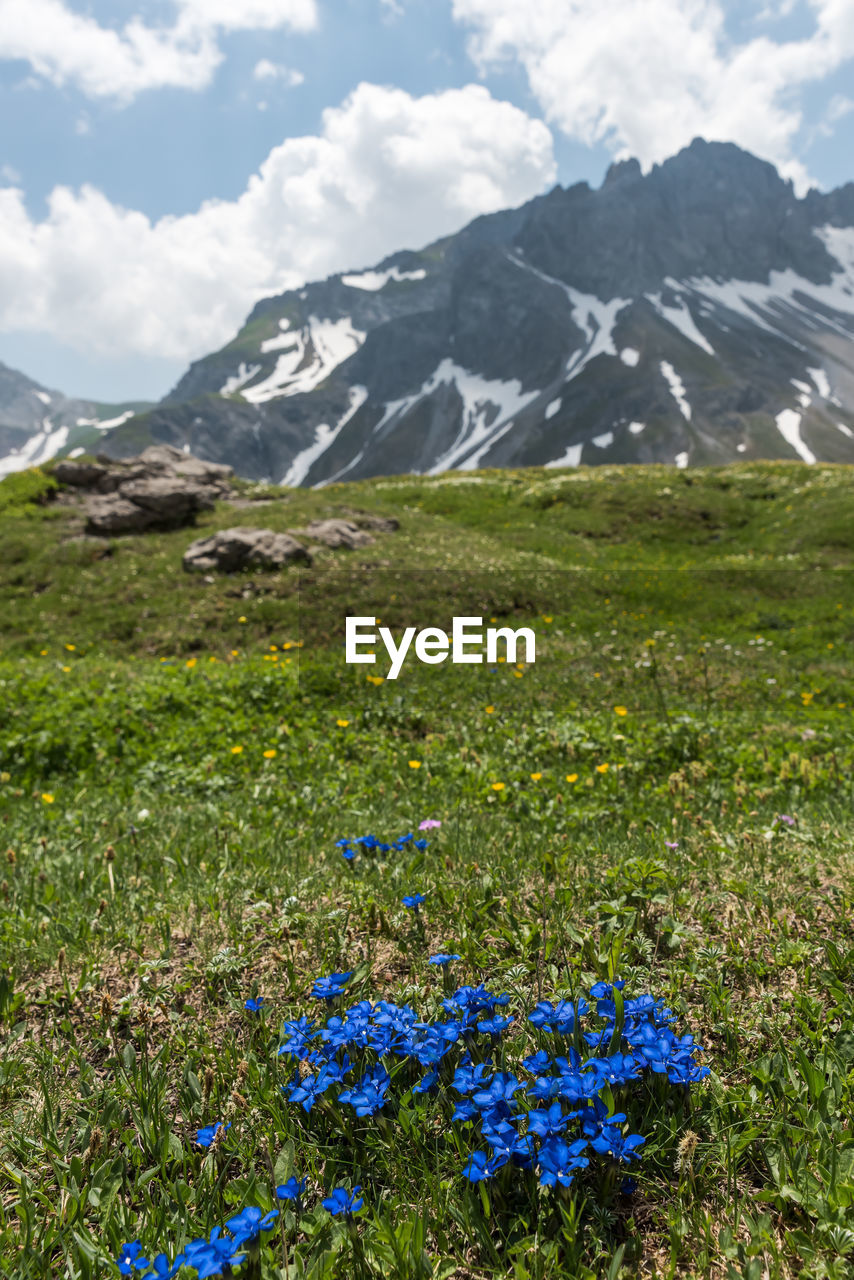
331 987
292 1189
558 1161
498 1092
368 1096
508 1144
537 1062
308 1089
413 901
254 1005
298 1033
204 1137
479 1167
441 958
549 1123
464 1110
249 1223
493 1026
342 1201
426 1083
129 1259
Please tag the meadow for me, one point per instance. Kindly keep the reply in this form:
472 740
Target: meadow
235 870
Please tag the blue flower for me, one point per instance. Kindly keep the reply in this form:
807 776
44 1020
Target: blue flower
559 1161
558 1017
292 1189
254 1006
537 1062
468 1078
498 1092
441 958
331 987
205 1137
426 1083
298 1033
493 1026
249 1223
368 1096
508 1144
312 1087
464 1110
341 1201
413 901
549 1123
129 1259
479 1167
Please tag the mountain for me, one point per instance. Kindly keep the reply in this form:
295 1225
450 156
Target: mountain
700 313
37 424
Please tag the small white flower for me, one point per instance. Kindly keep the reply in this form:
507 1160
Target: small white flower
142 815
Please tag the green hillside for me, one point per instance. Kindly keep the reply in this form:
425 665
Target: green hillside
664 797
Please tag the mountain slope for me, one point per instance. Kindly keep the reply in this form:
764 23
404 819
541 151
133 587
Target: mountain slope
698 314
37 424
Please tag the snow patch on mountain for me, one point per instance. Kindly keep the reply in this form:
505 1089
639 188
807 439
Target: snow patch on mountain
822 385
788 296
551 409
245 373
595 318
318 348
43 396
324 436
677 388
106 424
479 396
603 441
789 426
680 317
571 458
846 431
374 280
681 461
804 392
280 341
41 447
629 356
637 427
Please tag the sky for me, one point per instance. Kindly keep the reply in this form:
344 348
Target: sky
166 163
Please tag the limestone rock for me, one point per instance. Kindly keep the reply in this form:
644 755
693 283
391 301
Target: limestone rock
336 533
109 514
231 550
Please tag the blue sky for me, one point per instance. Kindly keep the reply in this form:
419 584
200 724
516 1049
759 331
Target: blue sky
165 164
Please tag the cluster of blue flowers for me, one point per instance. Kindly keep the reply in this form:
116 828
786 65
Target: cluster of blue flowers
216 1255
370 844
208 1257
545 1123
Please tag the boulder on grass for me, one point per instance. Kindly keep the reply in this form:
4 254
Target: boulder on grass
111 514
336 533
232 550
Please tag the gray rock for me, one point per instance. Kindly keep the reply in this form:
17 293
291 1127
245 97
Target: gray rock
80 475
231 550
109 514
170 499
335 533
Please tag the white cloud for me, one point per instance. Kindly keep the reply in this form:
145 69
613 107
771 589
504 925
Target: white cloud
644 77
267 70
71 48
387 171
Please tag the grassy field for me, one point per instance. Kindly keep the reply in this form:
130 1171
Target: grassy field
664 798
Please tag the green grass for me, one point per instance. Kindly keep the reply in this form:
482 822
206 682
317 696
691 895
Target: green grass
156 877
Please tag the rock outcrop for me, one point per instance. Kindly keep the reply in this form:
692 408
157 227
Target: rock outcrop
162 488
232 550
